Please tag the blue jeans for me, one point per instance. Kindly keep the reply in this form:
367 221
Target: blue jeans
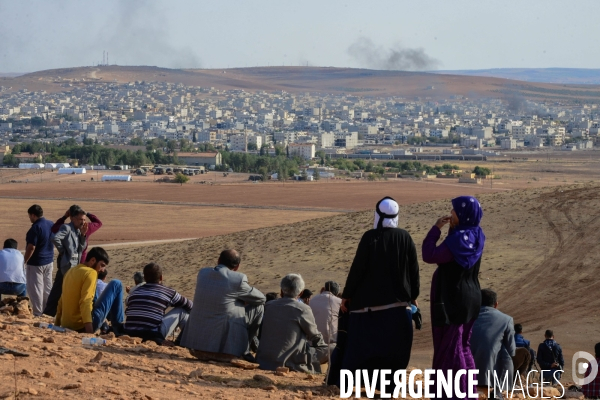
548 376
109 305
19 289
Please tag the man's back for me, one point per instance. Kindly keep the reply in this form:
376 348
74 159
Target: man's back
40 235
217 322
325 308
287 327
76 303
492 330
146 306
549 352
11 266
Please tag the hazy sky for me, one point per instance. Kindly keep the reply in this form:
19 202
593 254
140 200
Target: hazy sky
415 35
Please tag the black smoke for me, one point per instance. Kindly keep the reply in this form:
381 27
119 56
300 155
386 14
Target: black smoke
397 58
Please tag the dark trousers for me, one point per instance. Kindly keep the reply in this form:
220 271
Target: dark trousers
54 296
521 360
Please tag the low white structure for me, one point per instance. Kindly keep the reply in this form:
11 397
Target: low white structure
63 165
125 178
30 166
66 171
50 166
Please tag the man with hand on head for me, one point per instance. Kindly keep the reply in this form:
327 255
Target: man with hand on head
70 242
39 259
227 313
76 307
92 226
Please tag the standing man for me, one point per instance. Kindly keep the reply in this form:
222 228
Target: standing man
70 242
92 227
493 344
227 313
39 259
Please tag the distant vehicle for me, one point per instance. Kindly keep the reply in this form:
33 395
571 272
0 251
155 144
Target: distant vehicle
169 170
159 171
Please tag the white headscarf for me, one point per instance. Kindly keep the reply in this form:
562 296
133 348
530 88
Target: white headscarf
388 209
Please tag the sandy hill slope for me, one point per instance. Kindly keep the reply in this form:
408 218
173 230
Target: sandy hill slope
350 81
541 256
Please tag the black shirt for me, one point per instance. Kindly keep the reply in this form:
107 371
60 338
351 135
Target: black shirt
385 270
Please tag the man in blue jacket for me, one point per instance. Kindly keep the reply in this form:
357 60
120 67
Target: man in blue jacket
550 358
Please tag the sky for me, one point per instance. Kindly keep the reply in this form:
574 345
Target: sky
397 35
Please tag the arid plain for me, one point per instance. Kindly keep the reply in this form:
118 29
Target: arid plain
541 220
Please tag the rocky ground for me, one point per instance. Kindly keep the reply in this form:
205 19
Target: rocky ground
59 366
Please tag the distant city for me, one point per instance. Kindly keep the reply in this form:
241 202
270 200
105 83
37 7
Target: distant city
194 119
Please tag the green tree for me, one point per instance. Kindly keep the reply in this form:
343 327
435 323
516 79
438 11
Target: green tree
252 146
316 174
181 178
482 171
136 142
11 160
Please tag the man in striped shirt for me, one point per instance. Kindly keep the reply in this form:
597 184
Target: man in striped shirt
146 307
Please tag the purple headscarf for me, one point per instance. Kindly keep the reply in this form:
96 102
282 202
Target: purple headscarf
466 240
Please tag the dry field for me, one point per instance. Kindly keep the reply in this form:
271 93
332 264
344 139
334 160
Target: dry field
541 256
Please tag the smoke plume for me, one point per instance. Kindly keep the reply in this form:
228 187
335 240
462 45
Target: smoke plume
396 58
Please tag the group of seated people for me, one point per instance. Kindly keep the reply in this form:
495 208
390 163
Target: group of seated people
227 319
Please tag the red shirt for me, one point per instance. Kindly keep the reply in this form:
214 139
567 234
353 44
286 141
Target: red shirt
592 389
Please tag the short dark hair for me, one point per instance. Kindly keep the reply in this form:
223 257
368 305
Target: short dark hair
488 298
98 253
597 350
10 244
75 211
306 294
549 333
36 210
230 258
518 328
332 287
138 278
152 273
271 296
102 274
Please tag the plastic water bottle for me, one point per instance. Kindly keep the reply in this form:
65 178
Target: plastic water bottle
413 308
93 341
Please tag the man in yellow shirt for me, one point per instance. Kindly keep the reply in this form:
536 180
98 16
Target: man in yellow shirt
76 307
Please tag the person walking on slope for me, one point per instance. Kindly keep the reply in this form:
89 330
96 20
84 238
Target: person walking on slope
455 290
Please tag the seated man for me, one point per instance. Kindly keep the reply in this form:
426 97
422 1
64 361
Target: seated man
146 307
592 389
12 276
493 343
225 320
138 279
101 282
326 309
521 361
76 307
550 358
289 334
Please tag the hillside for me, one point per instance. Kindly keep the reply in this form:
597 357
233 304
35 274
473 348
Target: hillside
541 256
572 76
360 82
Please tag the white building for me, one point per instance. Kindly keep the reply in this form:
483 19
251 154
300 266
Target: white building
304 150
238 142
509 144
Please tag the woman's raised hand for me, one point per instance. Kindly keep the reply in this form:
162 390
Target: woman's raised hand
442 221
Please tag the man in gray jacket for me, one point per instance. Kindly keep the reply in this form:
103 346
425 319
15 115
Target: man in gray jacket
493 344
227 313
70 242
289 334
